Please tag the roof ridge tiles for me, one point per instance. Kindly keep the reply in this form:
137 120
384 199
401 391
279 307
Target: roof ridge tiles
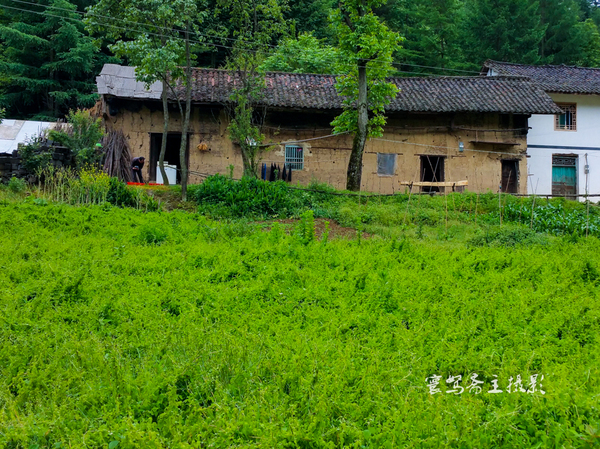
418 94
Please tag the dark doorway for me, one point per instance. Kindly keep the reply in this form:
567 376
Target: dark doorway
432 170
510 176
564 174
171 155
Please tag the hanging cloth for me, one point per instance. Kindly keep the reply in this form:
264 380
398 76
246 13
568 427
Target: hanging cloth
272 174
290 174
284 174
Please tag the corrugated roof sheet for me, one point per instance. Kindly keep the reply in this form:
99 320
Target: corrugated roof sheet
552 78
434 94
14 132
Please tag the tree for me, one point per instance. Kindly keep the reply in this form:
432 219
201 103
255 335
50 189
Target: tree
311 16
306 54
504 30
48 64
257 24
590 49
431 29
157 40
367 45
562 42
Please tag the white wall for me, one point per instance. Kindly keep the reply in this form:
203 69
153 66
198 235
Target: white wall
585 140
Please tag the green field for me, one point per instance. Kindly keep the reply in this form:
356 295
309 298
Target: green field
128 329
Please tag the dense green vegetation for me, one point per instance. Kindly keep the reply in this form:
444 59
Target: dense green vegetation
125 329
222 197
49 60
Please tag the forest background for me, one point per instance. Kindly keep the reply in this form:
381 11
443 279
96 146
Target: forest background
49 59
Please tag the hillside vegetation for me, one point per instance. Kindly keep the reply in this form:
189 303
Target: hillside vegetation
127 329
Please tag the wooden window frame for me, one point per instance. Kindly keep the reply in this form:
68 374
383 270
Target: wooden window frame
569 108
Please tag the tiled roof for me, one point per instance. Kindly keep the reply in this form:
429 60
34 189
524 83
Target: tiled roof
435 94
552 78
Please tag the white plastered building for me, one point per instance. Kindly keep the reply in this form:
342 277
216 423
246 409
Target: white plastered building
563 150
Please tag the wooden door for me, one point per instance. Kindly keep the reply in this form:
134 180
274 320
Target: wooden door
564 175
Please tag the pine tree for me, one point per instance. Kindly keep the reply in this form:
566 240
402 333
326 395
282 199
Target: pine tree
504 30
48 64
563 41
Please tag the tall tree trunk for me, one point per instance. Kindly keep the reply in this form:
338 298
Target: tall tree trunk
186 121
163 145
360 138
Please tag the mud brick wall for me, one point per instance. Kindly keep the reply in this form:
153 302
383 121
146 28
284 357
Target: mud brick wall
488 140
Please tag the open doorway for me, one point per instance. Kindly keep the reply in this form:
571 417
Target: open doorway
510 176
432 170
171 154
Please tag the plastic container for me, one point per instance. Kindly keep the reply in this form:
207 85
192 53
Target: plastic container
171 171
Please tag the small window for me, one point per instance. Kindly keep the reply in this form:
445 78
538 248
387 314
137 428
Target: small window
566 121
294 157
386 164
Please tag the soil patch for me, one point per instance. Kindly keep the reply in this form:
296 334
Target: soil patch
335 230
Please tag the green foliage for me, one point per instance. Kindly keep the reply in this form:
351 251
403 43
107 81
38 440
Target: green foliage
82 137
554 219
35 154
433 33
17 185
364 40
508 237
2 114
503 30
48 64
226 335
306 227
91 186
250 197
256 26
153 234
589 51
306 54
311 16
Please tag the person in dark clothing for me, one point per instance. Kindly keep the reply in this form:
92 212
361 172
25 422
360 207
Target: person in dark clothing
136 168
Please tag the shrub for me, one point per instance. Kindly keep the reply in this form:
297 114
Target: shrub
249 197
555 218
82 136
507 237
35 153
153 234
17 185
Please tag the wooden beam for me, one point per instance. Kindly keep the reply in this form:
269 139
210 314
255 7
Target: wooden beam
435 184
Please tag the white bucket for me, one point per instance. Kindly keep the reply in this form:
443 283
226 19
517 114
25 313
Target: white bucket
170 170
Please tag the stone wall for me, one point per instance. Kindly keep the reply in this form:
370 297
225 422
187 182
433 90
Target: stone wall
11 165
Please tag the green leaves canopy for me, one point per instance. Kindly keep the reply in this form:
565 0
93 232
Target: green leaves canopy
364 41
47 62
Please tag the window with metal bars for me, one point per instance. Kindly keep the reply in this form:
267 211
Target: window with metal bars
294 157
566 121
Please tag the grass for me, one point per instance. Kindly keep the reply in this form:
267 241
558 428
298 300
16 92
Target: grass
128 329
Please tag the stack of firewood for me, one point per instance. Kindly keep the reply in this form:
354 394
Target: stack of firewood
118 155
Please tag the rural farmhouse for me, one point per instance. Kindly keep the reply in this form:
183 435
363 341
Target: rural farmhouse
440 131
564 149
